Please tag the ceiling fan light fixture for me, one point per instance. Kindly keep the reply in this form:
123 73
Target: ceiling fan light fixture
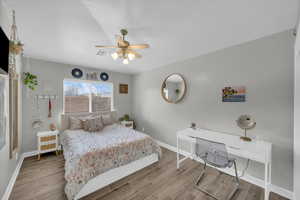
131 56
124 50
114 56
125 61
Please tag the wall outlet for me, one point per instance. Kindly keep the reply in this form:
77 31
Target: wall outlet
143 129
17 156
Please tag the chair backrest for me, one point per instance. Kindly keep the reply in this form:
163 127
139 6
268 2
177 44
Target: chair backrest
211 152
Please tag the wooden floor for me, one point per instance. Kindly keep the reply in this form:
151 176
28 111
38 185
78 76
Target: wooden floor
44 180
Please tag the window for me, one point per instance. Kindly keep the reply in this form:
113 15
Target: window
87 96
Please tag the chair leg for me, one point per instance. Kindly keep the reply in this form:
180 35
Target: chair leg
233 193
207 193
201 175
237 187
236 173
198 181
199 178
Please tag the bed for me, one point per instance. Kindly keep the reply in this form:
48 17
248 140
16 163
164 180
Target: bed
94 160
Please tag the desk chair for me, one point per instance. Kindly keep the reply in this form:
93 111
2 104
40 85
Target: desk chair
214 154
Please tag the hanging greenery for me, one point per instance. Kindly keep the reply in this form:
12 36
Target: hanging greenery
15 45
30 80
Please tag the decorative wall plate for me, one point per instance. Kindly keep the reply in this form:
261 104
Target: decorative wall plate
77 73
104 76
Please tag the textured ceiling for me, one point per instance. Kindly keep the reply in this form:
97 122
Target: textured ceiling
66 31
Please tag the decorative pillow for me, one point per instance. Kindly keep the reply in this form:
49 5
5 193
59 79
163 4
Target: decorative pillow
75 123
85 124
107 119
93 124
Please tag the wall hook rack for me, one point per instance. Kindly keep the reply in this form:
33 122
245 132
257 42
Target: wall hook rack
46 96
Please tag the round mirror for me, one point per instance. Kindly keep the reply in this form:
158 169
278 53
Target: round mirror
173 88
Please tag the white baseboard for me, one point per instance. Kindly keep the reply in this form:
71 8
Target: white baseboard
29 154
282 192
13 178
251 179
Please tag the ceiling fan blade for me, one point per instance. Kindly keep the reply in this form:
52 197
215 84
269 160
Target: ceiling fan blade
138 46
120 41
136 54
101 46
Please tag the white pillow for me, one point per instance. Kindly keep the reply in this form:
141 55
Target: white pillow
107 119
93 124
75 123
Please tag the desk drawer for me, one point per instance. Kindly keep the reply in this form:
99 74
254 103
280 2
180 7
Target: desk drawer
48 146
48 138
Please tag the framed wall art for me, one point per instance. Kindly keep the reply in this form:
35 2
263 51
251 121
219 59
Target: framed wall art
123 88
234 94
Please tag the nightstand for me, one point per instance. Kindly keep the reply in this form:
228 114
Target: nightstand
128 124
47 142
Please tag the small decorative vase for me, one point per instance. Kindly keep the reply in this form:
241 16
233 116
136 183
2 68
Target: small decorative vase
52 127
16 48
193 125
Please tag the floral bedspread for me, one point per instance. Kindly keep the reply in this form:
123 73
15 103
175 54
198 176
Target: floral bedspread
90 154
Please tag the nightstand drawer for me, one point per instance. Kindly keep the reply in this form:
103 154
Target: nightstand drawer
47 142
48 138
128 125
48 146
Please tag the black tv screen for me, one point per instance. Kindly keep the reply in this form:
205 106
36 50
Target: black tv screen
4 52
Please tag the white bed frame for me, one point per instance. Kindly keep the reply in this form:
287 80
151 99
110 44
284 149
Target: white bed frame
115 174
112 175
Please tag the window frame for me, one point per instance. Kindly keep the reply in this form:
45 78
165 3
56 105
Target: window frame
112 108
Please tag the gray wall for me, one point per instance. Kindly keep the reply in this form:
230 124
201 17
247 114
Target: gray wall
7 166
264 66
50 78
297 118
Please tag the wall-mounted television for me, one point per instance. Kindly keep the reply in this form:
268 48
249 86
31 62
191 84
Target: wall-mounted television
4 52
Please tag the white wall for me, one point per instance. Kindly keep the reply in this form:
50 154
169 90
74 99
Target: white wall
264 66
50 77
297 118
7 166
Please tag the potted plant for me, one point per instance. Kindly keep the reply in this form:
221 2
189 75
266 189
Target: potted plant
30 80
125 118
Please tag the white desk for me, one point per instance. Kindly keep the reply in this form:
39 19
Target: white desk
259 151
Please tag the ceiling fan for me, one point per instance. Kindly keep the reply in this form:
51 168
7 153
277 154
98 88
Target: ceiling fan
124 49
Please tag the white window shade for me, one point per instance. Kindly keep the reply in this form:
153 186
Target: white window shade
77 104
100 103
